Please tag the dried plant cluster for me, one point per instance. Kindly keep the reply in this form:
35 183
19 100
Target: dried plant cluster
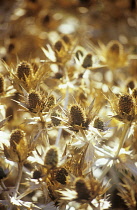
68 99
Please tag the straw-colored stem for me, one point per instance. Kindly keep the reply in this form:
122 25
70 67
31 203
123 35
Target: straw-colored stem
123 138
65 106
20 167
105 169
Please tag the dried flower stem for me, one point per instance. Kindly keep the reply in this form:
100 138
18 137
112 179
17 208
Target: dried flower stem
105 170
65 106
41 117
20 167
123 137
83 135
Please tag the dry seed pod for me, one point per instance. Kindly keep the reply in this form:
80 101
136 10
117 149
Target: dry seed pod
87 62
1 84
60 175
51 101
37 174
125 104
34 102
82 189
114 47
131 84
58 46
51 158
66 39
16 136
18 150
115 55
54 120
98 124
24 70
77 116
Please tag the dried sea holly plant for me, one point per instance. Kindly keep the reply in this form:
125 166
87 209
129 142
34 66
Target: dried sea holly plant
68 105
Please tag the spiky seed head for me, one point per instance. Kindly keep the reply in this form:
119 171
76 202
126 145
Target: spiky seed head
114 47
54 120
98 123
82 189
87 62
60 175
51 158
1 83
58 46
58 75
34 101
77 116
16 136
125 104
36 174
51 101
131 84
24 70
66 39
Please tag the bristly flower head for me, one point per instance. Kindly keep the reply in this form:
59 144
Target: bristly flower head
87 62
55 121
77 116
112 55
99 124
60 175
124 106
51 158
35 103
24 70
82 189
86 191
18 150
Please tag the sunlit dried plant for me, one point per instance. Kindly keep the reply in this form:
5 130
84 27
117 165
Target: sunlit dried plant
68 105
